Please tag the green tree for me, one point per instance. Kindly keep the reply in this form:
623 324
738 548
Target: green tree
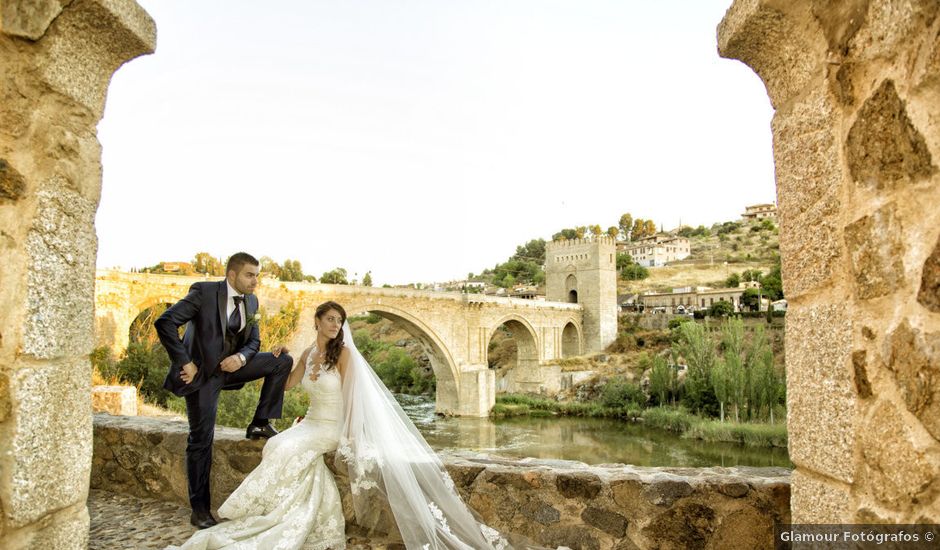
205 263
650 228
734 365
270 268
334 277
580 231
291 271
532 251
721 308
623 260
733 281
638 231
751 275
618 393
367 279
772 282
697 348
565 234
613 231
626 225
751 299
596 230
662 380
634 272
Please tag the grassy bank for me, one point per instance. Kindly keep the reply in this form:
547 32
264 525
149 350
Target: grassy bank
663 418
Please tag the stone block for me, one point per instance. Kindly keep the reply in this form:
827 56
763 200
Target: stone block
65 530
929 293
61 245
5 404
666 491
12 183
914 359
860 366
539 511
607 521
889 26
87 42
120 400
685 525
52 405
774 44
818 501
578 485
822 403
875 247
28 18
809 187
897 470
883 148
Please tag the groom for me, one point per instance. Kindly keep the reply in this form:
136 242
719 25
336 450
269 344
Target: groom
219 351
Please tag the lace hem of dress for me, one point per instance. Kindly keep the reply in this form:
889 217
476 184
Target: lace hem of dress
338 543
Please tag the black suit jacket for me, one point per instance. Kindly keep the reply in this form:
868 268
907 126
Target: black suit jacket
204 309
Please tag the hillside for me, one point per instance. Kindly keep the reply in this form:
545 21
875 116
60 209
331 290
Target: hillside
717 252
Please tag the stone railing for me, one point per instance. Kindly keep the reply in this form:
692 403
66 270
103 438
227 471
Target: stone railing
553 502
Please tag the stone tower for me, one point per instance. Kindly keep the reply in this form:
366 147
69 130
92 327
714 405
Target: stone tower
584 271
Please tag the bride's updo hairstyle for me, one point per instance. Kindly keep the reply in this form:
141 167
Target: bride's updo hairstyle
334 346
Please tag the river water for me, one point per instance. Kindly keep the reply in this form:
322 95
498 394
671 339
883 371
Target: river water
590 440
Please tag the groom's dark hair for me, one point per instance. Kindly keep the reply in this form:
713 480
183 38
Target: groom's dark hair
238 260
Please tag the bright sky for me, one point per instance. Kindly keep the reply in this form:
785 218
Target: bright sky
422 139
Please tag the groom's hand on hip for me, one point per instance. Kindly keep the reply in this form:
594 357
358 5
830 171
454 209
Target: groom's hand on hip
231 363
188 372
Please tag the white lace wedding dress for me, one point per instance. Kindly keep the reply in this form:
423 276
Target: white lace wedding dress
290 501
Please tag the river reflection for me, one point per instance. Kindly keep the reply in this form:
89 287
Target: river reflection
590 440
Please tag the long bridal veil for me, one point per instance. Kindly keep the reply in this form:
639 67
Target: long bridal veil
387 459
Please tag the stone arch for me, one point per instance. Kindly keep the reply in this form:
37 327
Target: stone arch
571 288
524 376
441 358
142 306
524 334
571 339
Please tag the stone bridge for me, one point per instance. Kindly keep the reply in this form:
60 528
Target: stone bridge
453 328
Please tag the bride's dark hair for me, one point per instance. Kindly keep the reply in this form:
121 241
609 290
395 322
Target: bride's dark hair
334 346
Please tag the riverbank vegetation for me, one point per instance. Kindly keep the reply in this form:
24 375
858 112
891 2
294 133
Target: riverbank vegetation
715 382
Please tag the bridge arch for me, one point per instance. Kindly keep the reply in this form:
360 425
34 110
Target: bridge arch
445 368
572 339
524 376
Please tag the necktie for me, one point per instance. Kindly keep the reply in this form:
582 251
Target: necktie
235 319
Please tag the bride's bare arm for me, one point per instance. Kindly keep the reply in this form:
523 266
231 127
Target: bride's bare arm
298 371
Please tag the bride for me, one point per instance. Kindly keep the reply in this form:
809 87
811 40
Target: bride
290 501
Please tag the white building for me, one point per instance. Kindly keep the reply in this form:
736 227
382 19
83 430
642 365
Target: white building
657 250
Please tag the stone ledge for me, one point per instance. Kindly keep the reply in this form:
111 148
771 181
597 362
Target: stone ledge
554 502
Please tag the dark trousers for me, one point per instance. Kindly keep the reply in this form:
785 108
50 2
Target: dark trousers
202 405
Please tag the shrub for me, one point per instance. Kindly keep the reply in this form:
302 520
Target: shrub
618 393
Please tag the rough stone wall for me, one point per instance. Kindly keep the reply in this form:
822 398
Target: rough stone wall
553 502
56 60
856 90
593 263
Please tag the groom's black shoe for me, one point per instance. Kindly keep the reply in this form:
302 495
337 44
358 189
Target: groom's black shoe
201 520
257 432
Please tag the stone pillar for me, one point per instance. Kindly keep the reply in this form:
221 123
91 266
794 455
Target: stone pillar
477 391
56 60
856 91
